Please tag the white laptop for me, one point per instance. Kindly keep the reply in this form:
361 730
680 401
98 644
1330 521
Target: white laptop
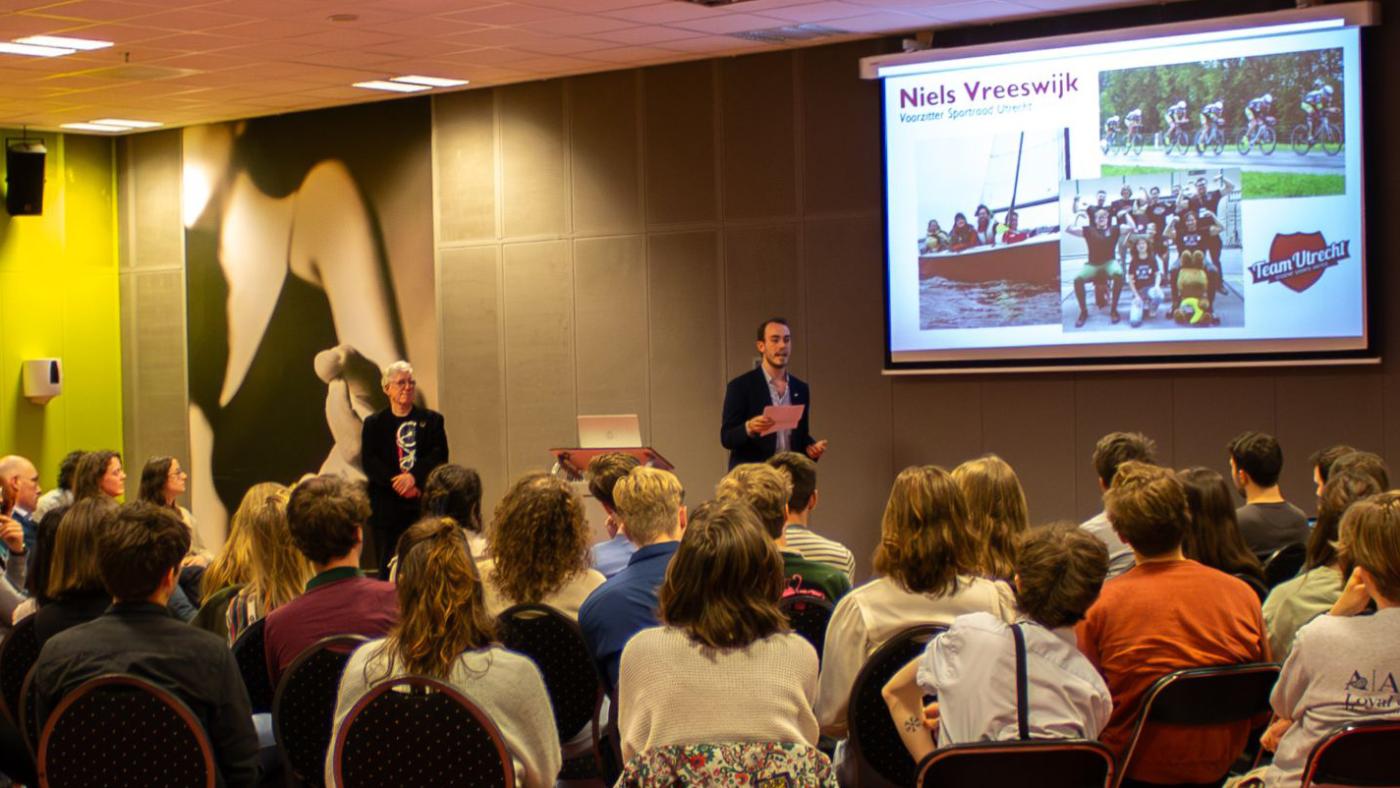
609 432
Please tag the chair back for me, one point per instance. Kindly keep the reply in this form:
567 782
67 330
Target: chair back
1359 753
124 720
875 753
29 714
303 710
808 614
410 727
251 656
733 763
1285 563
1255 584
1044 763
18 653
212 614
556 645
1215 695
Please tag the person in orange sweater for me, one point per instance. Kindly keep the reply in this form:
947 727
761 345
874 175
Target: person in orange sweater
1165 614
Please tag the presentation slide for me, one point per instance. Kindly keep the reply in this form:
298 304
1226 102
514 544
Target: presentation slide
1157 200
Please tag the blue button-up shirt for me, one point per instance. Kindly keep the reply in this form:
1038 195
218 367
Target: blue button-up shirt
611 557
624 606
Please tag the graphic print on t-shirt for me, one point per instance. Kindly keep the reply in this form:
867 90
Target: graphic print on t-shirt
407 440
1372 691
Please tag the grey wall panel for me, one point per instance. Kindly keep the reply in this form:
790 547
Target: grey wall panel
1109 403
679 148
759 138
153 181
473 363
1029 421
1209 410
464 144
603 124
686 365
534 160
154 400
1321 408
935 422
539 352
851 401
762 279
611 307
840 145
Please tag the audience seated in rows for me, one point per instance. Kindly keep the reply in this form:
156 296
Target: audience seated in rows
972 667
539 548
327 517
139 557
802 472
767 490
1293 603
279 571
1267 521
445 632
1212 535
1165 614
75 588
604 471
927 560
725 667
649 501
1343 666
1113 450
996 511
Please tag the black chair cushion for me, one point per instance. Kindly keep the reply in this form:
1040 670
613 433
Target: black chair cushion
808 616
304 708
556 645
1284 563
873 737
121 734
421 737
18 653
1044 764
1213 696
1362 753
249 653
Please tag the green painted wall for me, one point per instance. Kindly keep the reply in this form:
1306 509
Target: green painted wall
59 298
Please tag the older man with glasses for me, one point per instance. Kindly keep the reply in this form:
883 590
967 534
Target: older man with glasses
400 446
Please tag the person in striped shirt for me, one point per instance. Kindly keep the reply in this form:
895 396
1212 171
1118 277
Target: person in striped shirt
800 537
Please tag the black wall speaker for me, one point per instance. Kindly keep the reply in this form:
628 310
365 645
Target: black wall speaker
24 178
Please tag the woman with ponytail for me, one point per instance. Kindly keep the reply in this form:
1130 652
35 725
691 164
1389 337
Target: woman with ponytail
444 633
725 667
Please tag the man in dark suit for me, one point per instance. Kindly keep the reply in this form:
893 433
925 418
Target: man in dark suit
400 446
770 384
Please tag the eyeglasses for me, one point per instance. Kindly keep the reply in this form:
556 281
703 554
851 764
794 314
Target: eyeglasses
403 383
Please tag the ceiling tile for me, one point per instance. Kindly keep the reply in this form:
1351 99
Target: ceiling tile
94 10
732 23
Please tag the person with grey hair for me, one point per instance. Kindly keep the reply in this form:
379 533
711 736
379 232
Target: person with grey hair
399 447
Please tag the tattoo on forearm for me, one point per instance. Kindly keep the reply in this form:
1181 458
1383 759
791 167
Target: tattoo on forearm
912 724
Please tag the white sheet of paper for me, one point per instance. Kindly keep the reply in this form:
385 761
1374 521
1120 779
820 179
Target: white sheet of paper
785 417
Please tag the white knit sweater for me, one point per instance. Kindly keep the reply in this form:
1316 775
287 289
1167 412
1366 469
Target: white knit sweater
672 690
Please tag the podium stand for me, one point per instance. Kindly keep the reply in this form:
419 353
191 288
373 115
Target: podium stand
573 462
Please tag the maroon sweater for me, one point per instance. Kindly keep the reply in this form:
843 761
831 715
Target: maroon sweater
337 602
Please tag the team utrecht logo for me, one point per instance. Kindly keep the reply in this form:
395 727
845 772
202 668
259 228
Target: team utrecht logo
1298 260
